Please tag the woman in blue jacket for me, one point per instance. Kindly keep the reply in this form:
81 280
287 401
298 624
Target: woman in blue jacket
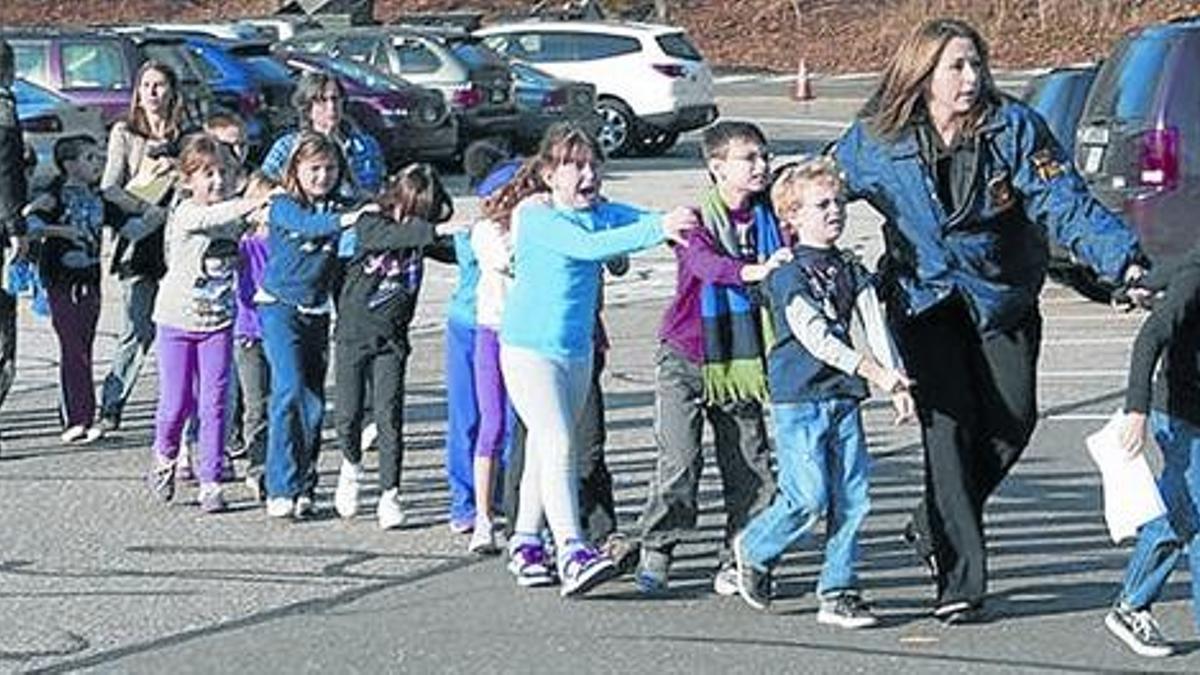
971 184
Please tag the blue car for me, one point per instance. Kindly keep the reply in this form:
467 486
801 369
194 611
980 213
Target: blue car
47 116
543 99
237 87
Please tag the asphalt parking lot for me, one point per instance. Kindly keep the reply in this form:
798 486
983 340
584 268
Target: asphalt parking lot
96 576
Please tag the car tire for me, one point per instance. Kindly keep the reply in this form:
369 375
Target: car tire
655 142
616 132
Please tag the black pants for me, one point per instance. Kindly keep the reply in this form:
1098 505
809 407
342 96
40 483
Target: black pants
254 381
378 365
977 400
8 337
597 508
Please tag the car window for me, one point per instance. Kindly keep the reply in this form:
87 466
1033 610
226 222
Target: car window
93 65
590 46
476 55
29 94
32 62
363 74
1126 84
679 46
415 57
540 47
363 50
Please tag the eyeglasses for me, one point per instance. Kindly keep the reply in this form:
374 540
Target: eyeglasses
327 98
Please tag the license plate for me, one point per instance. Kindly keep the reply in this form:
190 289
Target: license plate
1096 135
1092 158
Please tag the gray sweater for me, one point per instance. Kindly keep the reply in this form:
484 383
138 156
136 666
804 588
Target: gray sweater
199 289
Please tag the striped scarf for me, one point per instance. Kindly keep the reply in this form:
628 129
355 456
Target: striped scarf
733 326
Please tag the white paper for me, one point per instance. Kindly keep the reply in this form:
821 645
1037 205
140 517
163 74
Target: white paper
1131 497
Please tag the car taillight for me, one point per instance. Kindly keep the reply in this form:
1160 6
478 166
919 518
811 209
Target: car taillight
1158 158
248 104
672 70
468 96
42 124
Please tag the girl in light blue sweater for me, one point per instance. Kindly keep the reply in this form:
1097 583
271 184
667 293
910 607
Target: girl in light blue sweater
561 241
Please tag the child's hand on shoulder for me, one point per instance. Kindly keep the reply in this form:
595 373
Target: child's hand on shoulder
349 218
677 222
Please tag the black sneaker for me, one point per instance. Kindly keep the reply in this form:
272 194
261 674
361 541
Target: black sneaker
1138 630
846 610
161 481
110 422
753 585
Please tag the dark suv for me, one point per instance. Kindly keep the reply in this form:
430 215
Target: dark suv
1138 141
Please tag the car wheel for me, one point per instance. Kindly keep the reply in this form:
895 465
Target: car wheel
656 142
616 129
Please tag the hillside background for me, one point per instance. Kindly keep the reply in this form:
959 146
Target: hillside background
832 35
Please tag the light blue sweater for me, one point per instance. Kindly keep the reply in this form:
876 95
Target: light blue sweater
551 307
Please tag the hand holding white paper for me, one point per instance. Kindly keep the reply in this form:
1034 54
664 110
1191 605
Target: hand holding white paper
1131 497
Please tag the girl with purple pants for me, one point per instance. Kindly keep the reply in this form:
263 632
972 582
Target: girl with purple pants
194 315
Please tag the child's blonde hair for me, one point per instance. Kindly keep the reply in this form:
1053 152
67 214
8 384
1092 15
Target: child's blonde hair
258 185
787 191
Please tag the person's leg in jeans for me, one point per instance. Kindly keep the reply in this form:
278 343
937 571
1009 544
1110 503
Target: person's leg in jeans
671 506
849 470
134 342
8 339
462 422
177 354
285 433
744 458
255 378
74 312
314 364
803 436
214 356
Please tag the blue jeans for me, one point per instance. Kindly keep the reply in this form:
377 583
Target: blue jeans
823 470
137 336
297 349
462 419
1163 540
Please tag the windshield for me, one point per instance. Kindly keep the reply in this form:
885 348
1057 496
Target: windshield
363 74
268 69
475 54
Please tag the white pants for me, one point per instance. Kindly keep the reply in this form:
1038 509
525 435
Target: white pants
548 394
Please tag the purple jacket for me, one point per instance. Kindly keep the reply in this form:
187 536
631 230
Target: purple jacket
701 261
252 249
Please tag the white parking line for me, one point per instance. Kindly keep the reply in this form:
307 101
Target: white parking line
1079 374
734 79
1078 417
1058 342
803 122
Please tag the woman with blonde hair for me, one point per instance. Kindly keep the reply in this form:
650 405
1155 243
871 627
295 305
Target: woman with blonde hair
971 184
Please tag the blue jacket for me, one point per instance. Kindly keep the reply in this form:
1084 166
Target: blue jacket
301 253
363 156
993 251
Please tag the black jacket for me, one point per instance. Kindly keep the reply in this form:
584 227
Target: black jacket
13 187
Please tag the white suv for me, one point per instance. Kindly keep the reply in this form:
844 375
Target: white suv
651 81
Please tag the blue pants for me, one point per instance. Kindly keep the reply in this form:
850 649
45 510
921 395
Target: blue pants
138 295
823 469
462 419
297 349
1163 540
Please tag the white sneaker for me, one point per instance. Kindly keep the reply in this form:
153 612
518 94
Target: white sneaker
345 498
92 435
74 434
280 507
483 539
725 582
390 514
369 434
303 507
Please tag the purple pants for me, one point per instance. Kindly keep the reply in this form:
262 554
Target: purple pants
491 394
74 311
193 374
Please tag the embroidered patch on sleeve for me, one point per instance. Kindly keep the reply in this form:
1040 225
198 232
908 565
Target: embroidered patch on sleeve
1045 165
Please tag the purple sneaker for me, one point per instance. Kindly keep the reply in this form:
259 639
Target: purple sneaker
584 569
530 564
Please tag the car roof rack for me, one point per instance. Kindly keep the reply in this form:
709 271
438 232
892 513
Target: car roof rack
463 21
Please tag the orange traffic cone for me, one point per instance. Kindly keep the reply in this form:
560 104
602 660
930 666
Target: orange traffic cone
803 90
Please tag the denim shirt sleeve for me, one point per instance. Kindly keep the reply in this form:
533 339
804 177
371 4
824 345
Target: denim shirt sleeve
847 153
289 216
1057 198
277 156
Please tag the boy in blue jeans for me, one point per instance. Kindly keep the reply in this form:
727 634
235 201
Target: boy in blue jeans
1172 408
817 380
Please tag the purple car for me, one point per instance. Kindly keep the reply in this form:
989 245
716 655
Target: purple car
411 123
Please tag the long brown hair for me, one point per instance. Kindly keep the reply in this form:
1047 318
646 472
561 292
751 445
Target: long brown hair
416 191
564 142
310 145
174 112
905 81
